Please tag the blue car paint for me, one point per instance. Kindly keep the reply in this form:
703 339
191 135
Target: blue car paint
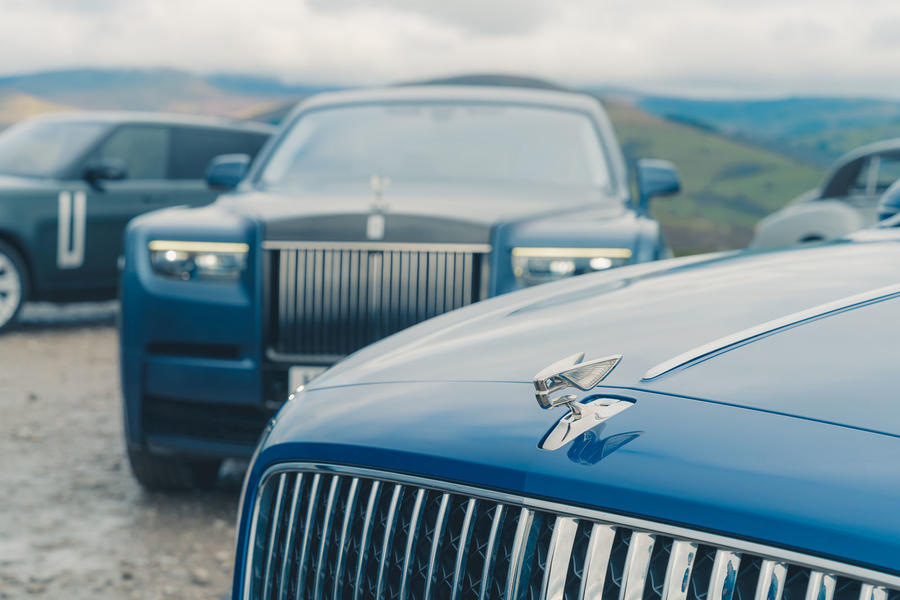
790 440
157 313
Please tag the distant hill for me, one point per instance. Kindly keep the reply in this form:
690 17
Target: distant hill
149 89
815 130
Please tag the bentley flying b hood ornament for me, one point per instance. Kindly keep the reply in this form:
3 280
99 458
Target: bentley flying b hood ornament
568 373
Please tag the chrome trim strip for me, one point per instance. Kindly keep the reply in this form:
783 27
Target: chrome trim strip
270 545
637 562
330 507
678 570
411 540
439 523
553 586
304 544
517 555
389 523
772 576
493 540
345 529
723 578
364 541
596 561
569 252
798 318
290 536
462 552
863 574
387 246
820 587
871 592
188 246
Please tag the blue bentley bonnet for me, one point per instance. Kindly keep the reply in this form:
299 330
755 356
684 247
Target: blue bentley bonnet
368 213
715 427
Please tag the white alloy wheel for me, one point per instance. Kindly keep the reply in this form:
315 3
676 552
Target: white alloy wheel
10 288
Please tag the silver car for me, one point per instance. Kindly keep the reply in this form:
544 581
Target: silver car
846 202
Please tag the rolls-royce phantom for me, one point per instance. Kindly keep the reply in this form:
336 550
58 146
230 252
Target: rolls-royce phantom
370 211
714 428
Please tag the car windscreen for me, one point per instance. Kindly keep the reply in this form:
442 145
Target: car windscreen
455 143
43 148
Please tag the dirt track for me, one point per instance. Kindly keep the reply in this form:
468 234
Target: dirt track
73 523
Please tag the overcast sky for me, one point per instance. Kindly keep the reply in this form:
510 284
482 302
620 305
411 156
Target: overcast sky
696 47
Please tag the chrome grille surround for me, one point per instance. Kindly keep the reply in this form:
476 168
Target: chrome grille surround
329 299
377 534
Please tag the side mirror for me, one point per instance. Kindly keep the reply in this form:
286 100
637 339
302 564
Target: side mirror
656 178
889 205
225 172
107 169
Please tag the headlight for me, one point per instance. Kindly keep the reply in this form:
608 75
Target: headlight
540 265
204 261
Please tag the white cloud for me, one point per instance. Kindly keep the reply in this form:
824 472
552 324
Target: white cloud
691 46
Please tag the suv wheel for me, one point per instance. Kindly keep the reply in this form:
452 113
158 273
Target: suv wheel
167 473
13 285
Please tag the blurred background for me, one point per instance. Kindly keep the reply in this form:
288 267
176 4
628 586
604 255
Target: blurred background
752 101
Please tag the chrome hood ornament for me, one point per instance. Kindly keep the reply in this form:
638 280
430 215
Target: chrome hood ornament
568 373
375 223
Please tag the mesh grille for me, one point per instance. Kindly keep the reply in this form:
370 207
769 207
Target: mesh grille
320 535
325 303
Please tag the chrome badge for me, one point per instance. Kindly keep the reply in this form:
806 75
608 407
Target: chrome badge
568 373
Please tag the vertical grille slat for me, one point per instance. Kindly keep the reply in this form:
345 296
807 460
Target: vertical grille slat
637 562
596 562
349 513
518 555
493 540
439 524
554 584
724 575
273 535
678 570
328 302
462 551
366 533
323 533
772 576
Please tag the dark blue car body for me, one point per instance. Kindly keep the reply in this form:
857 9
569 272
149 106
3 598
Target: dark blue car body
787 439
205 364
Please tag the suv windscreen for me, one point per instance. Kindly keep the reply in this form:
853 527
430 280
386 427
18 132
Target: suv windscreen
45 148
463 143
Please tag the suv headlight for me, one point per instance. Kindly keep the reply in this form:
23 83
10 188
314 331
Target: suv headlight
533 265
202 261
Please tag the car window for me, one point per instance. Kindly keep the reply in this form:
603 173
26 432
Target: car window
44 148
876 175
194 147
429 141
143 149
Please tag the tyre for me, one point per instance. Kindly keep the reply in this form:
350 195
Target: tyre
13 285
167 473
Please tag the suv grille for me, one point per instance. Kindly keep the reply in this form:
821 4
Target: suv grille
322 535
327 300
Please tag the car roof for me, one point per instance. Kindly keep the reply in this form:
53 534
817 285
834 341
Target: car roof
457 93
118 117
890 145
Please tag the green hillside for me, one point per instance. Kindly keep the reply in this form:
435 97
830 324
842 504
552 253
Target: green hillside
727 185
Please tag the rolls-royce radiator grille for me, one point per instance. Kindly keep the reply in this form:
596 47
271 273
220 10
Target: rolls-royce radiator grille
328 300
345 536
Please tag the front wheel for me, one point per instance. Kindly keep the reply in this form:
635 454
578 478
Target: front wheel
169 473
13 285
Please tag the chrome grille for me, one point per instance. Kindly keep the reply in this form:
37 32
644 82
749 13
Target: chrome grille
327 300
350 534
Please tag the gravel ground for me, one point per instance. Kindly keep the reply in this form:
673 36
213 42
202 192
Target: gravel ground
73 522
